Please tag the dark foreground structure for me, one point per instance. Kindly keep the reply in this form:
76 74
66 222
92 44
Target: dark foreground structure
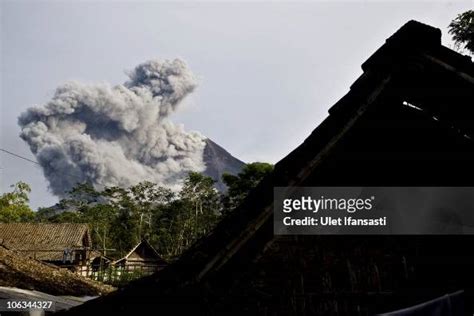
407 121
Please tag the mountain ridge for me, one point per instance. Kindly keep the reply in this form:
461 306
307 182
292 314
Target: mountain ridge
219 161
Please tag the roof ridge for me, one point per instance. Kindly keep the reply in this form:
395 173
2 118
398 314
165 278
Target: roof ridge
412 37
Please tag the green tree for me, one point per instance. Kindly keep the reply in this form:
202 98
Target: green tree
120 217
44 214
202 201
188 217
136 209
82 195
147 198
100 218
240 185
462 30
124 224
14 205
67 217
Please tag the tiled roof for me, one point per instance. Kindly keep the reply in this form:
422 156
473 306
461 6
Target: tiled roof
47 240
23 273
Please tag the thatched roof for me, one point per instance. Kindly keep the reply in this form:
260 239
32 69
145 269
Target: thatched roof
44 241
370 138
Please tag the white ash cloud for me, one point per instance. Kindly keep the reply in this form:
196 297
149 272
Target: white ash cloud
116 135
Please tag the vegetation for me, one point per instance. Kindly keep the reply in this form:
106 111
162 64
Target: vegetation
120 217
462 30
240 185
14 205
116 277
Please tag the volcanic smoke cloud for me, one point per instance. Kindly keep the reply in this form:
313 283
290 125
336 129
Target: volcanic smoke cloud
116 135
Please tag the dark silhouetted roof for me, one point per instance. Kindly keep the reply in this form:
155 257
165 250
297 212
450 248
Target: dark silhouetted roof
408 120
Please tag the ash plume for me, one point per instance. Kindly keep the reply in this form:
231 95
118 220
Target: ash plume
116 135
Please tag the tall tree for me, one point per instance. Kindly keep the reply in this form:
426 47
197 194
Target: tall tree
120 217
14 205
240 185
462 30
198 210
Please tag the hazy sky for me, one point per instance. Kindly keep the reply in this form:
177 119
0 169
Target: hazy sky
268 71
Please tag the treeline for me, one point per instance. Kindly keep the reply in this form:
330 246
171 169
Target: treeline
120 217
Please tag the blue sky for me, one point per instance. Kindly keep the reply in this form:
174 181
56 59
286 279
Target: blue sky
268 71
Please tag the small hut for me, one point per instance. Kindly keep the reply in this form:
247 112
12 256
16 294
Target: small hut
98 261
143 257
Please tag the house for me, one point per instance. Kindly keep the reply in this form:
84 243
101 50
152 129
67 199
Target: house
66 245
19 273
143 257
408 120
99 262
